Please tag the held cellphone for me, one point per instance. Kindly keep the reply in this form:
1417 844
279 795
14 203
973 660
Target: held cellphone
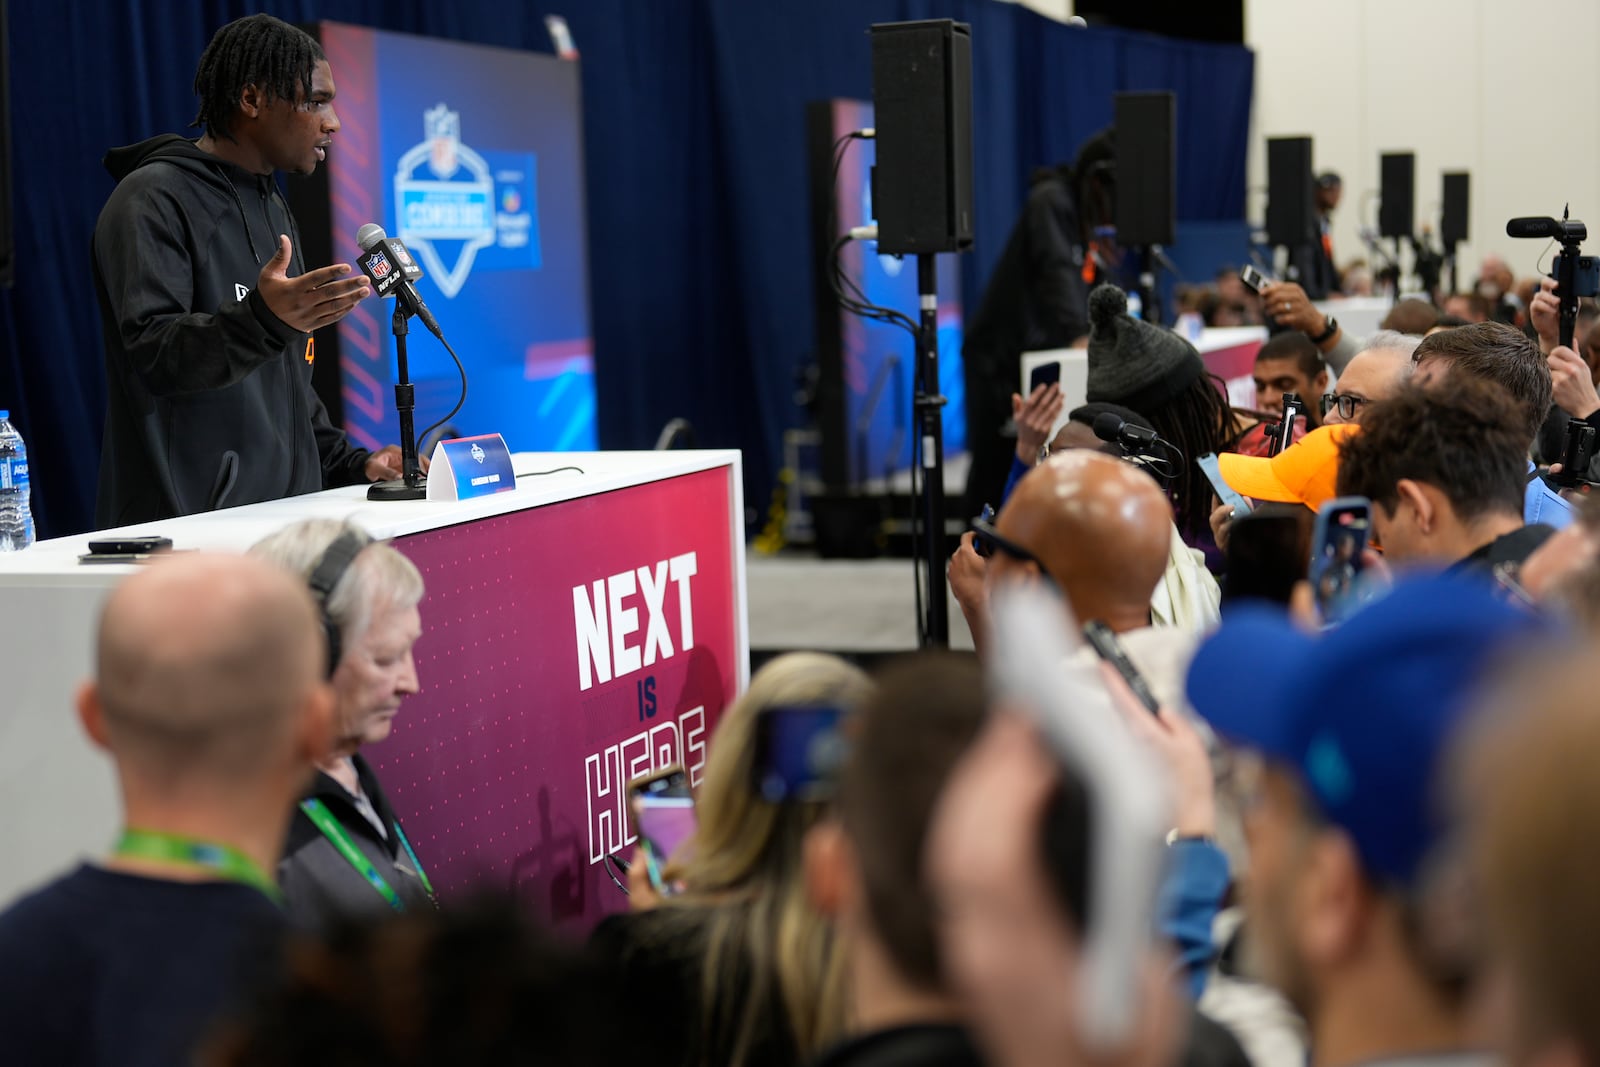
799 751
662 808
1108 648
980 542
1340 536
1045 374
1253 278
1211 467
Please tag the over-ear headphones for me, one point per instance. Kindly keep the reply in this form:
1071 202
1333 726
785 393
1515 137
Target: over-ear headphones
325 576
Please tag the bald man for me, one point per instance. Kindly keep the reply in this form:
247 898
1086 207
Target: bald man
209 700
1100 530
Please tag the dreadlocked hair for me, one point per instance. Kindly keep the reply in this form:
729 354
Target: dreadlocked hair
1199 421
275 57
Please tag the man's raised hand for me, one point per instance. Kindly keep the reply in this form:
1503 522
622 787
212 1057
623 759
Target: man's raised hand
313 300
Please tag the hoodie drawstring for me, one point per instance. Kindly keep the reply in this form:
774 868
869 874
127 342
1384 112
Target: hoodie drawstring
244 216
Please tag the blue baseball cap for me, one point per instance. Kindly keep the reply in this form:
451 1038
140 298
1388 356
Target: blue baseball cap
1364 713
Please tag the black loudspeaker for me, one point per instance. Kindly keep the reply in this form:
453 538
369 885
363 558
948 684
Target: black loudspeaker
8 241
1398 194
922 104
1453 226
1146 169
1290 213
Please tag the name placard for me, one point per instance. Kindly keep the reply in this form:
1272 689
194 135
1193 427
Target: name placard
470 466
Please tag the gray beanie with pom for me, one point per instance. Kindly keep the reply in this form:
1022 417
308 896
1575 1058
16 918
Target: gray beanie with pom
1131 362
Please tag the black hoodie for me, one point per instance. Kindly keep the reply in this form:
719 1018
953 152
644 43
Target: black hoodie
209 399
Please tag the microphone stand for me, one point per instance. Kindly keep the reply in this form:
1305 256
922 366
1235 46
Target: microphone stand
930 430
412 483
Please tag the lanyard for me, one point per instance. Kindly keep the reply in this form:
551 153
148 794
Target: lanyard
416 864
222 860
331 829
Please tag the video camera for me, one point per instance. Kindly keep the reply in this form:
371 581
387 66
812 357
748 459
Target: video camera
1576 275
1576 453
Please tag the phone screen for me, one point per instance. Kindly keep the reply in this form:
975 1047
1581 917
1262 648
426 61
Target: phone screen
663 815
799 751
1253 278
1045 374
1211 467
1343 527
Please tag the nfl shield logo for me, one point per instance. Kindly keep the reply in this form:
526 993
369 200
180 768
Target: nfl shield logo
380 266
443 128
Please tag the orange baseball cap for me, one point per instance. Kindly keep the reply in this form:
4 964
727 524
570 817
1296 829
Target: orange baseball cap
1304 473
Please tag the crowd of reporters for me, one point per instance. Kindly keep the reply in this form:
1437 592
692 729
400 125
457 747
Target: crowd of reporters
1367 758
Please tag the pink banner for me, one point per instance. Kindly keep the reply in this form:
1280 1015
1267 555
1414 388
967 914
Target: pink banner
566 649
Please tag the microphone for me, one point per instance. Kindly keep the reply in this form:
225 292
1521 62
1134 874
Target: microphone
388 262
1530 226
1111 427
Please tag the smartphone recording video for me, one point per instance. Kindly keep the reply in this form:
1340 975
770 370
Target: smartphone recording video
1211 467
1253 278
799 751
1045 374
1343 527
662 807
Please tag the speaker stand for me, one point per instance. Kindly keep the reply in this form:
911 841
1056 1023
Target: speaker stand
412 483
929 404
1149 294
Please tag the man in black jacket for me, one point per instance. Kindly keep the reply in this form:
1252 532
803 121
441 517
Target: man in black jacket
1037 298
207 308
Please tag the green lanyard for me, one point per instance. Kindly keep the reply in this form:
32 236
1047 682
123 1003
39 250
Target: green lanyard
222 860
336 833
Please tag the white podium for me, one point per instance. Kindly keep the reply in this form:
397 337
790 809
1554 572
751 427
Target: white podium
510 760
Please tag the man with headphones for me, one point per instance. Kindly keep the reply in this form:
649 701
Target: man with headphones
347 855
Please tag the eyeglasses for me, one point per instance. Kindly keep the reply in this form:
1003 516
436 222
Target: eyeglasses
1346 404
988 539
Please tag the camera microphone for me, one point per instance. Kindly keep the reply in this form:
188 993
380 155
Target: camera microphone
1111 427
1533 226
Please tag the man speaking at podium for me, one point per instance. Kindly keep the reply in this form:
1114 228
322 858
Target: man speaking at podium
206 304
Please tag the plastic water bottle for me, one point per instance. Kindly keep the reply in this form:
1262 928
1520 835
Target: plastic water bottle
16 516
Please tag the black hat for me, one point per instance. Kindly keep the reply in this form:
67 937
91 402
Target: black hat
1132 362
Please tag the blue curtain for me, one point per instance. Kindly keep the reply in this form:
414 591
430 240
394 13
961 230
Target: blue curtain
697 198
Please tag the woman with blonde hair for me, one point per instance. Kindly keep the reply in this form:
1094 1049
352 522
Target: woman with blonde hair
736 969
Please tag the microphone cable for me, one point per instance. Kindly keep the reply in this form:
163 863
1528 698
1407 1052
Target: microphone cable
461 401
